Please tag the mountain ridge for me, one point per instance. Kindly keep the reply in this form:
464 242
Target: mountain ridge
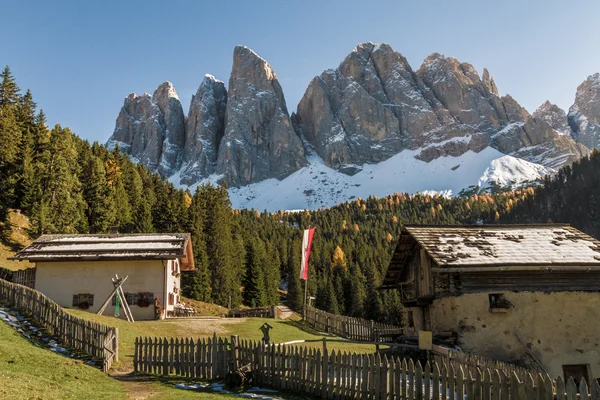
372 107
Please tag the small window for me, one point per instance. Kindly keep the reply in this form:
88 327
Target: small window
410 319
496 300
131 299
577 372
83 299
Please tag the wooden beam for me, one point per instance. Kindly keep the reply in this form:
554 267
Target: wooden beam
101 310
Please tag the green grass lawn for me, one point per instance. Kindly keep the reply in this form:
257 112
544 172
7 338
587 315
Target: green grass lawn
246 328
30 372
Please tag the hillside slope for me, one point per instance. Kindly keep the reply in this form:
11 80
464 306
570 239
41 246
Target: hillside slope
30 372
14 235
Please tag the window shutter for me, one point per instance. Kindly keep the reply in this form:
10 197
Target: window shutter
91 299
75 300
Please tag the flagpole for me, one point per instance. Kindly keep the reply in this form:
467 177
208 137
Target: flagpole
305 297
306 243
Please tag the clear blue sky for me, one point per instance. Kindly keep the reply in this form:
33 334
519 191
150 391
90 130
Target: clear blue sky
81 58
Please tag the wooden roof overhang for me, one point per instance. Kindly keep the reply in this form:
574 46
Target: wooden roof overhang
427 237
397 270
111 247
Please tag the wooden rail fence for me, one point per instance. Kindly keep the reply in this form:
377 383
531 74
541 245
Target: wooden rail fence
97 340
471 362
25 277
349 327
259 312
340 375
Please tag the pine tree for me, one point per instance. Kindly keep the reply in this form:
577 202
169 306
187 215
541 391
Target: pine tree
272 276
62 201
254 283
339 258
10 140
197 284
100 210
219 246
9 91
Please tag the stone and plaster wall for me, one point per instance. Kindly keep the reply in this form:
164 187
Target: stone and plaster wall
61 280
559 328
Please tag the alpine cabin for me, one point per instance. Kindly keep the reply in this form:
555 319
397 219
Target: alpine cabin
507 292
76 271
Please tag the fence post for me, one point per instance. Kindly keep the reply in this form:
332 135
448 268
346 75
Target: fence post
115 344
372 330
234 352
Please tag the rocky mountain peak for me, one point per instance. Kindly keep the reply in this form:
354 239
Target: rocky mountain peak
554 116
259 140
151 129
488 82
165 90
370 108
205 128
584 114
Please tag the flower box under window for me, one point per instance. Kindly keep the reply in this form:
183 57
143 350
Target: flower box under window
499 304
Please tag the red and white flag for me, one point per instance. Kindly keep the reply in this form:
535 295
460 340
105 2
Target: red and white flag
306 243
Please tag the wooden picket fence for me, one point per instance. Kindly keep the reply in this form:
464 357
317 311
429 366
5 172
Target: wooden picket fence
97 340
25 277
255 312
349 327
341 375
472 362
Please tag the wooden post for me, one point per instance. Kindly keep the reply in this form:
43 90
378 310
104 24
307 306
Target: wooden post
305 299
101 310
234 352
116 344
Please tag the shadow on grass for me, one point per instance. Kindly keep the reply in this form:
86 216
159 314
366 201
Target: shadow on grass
171 381
305 328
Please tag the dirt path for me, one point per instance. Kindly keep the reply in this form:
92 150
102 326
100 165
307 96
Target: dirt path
138 387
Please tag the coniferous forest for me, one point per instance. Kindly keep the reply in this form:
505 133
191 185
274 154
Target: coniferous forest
65 184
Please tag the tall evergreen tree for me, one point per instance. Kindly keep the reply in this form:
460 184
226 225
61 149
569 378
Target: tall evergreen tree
197 284
255 294
9 90
100 209
62 200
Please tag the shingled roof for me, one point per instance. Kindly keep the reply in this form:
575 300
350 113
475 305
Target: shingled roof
496 247
155 246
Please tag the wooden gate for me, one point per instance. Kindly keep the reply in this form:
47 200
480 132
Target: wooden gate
111 349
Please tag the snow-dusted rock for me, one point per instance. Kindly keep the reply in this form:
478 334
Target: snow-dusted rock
259 141
205 128
584 115
554 116
364 128
374 106
151 129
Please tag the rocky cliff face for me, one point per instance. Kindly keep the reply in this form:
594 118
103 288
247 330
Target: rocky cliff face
204 130
259 141
374 105
584 115
553 116
369 109
151 129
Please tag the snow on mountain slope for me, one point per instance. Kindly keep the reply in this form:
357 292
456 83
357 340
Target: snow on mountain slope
317 185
